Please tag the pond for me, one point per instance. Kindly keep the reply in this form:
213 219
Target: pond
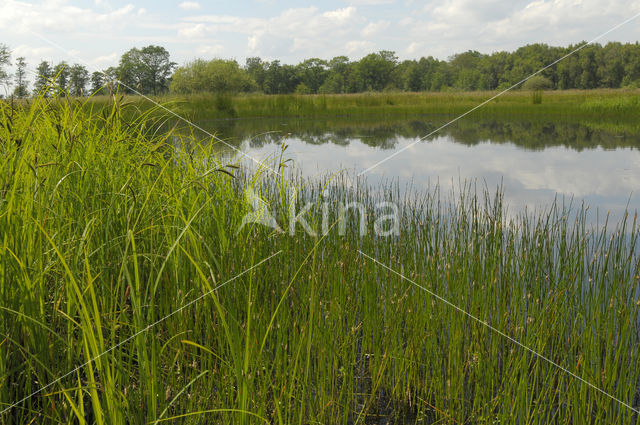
534 162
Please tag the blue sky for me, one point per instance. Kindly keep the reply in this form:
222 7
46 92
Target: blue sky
97 32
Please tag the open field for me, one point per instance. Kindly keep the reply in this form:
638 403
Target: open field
612 104
109 233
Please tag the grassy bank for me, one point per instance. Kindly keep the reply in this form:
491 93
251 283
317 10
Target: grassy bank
615 104
106 230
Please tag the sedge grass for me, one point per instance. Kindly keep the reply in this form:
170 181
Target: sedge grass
107 228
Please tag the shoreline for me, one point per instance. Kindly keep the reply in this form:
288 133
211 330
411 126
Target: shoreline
596 103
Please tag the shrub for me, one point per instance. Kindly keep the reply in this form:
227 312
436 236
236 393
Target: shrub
302 88
214 76
537 82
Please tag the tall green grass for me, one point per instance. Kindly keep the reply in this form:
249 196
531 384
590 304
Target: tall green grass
106 229
613 104
101 225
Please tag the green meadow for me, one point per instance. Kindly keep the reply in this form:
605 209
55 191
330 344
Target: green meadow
130 292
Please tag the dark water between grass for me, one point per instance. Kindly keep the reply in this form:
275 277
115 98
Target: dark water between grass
534 161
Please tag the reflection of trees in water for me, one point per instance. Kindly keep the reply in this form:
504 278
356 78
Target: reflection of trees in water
386 133
263 139
540 135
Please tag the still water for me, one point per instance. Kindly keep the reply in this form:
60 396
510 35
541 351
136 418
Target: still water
534 162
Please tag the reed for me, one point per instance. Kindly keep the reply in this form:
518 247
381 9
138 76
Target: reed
600 103
109 225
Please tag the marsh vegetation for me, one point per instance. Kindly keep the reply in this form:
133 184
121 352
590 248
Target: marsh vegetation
110 233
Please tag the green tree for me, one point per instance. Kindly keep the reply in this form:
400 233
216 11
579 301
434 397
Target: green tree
256 69
441 77
78 78
5 59
111 74
530 58
427 71
312 73
60 75
410 75
467 70
111 78
334 83
214 76
146 70
611 65
569 72
43 79
338 76
280 79
373 71
631 64
97 82
587 59
302 88
22 85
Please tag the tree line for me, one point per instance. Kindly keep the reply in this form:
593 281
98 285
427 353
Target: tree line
614 65
150 71
147 70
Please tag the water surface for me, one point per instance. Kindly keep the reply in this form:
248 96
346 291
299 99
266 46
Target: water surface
535 162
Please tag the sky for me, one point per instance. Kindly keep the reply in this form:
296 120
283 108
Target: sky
97 32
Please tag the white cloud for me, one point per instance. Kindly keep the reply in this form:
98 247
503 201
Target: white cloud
214 50
375 28
252 42
61 17
340 15
406 21
359 47
439 28
453 26
189 5
435 28
295 31
193 31
31 51
105 61
412 49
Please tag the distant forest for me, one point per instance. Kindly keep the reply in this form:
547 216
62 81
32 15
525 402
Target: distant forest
149 70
